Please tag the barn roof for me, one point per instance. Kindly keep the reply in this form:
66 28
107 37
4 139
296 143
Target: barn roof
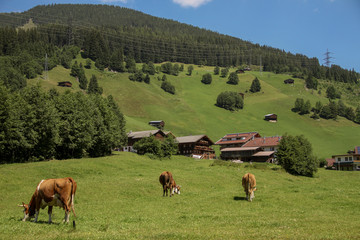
263 142
239 149
143 134
357 150
237 138
263 154
195 138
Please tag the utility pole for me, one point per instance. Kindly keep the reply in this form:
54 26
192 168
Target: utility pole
327 58
46 67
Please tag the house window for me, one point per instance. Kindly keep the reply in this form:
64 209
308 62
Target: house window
346 158
339 159
350 158
272 149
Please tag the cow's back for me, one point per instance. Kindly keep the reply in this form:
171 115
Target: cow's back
165 178
248 181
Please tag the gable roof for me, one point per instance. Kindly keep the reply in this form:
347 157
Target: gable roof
357 150
237 138
191 139
143 134
263 142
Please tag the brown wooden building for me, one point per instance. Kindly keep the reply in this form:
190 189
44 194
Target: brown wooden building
236 139
160 124
198 146
271 117
65 84
133 137
252 148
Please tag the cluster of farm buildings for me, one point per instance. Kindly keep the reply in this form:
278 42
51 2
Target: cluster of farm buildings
249 147
241 147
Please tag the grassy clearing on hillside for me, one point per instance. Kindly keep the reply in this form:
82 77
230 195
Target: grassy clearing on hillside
119 197
192 109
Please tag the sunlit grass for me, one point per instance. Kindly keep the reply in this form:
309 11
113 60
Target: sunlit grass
119 197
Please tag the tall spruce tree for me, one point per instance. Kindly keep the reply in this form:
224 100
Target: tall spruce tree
94 86
255 86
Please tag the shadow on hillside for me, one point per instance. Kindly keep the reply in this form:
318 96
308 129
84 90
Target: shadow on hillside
237 198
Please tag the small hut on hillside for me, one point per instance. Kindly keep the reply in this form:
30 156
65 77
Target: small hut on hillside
65 84
289 81
271 117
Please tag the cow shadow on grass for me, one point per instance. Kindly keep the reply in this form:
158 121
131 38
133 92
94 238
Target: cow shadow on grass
237 198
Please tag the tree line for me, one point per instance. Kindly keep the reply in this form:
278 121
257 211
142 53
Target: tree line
39 125
327 111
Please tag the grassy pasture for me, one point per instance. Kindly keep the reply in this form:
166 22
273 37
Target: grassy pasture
119 197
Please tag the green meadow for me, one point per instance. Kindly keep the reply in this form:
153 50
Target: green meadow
120 197
192 109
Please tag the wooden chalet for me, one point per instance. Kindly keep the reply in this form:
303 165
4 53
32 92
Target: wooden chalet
236 139
270 117
133 137
349 161
289 81
255 149
65 84
198 146
240 71
158 124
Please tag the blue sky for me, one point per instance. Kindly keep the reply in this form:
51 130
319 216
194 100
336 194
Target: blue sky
309 27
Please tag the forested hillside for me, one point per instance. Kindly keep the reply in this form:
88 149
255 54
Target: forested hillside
102 29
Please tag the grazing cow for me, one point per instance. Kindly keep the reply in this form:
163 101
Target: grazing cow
52 192
249 184
167 181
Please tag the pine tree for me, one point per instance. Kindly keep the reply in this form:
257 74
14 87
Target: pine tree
190 70
255 86
216 70
94 86
357 115
233 79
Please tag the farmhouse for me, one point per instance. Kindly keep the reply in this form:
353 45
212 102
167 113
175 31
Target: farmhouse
256 148
289 81
240 71
133 137
236 139
349 161
65 84
158 124
197 146
270 117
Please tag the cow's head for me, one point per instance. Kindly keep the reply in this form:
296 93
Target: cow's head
251 193
28 212
177 189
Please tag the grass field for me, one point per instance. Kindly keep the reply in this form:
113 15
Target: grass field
119 197
192 109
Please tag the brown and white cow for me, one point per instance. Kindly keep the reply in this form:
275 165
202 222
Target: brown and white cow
249 184
167 181
52 192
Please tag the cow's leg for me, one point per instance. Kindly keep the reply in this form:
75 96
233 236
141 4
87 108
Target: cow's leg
171 191
50 212
36 215
67 216
164 190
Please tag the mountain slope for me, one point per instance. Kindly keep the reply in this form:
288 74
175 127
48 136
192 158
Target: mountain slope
192 109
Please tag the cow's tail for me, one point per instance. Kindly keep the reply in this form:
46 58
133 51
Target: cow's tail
73 190
248 182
